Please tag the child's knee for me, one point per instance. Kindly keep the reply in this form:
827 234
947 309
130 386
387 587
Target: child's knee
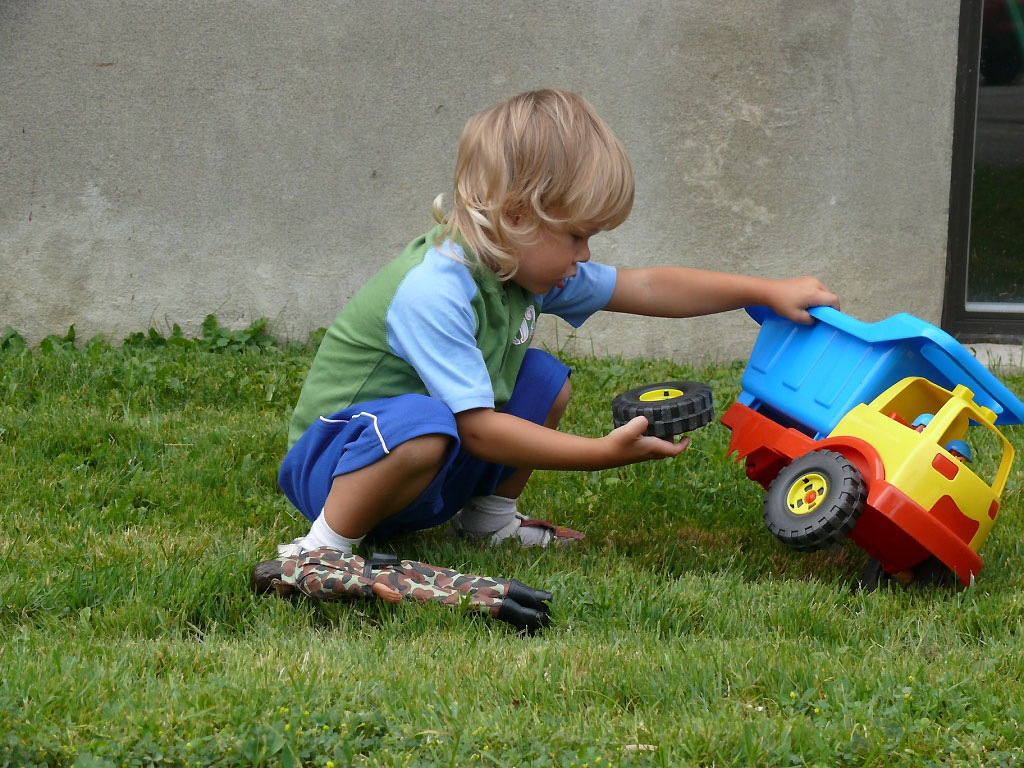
562 399
559 405
424 452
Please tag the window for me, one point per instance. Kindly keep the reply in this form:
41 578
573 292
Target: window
984 298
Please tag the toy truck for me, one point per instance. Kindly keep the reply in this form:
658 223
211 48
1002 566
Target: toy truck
863 431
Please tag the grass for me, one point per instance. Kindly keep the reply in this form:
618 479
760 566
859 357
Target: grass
997 232
137 488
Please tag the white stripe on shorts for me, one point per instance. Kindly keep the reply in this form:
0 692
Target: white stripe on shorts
376 428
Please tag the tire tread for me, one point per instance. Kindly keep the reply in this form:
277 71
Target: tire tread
823 529
690 411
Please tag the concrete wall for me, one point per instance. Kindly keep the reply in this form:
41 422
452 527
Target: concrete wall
167 159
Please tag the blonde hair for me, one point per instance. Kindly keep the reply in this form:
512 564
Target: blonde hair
545 157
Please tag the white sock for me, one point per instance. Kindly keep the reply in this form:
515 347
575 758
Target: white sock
484 515
322 535
497 518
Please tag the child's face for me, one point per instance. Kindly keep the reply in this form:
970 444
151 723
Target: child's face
552 257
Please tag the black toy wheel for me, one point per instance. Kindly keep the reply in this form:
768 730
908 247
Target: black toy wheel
671 407
930 572
815 501
874 576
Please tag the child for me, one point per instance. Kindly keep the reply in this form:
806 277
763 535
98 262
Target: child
424 400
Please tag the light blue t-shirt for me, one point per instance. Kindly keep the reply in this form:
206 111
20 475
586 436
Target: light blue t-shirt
435 321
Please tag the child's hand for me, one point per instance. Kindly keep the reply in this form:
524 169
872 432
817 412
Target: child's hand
793 297
630 445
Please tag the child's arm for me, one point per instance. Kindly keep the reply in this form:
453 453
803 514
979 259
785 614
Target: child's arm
505 439
686 292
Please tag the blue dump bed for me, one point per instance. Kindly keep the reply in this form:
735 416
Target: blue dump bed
810 376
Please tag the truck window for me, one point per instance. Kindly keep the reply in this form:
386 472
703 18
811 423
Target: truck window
986 452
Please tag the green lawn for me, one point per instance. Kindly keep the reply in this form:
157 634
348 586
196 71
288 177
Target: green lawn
137 488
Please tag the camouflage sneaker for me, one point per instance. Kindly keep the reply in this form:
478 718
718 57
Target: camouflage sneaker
264 573
529 531
558 534
266 577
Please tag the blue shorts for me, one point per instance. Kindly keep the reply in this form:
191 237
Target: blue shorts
362 434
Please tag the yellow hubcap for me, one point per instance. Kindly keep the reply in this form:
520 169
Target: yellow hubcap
660 394
807 493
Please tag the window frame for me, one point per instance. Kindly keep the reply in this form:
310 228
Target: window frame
968 325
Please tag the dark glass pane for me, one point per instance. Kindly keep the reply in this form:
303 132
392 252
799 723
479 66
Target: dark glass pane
995 273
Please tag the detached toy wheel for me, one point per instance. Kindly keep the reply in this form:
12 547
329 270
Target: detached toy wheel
671 407
815 501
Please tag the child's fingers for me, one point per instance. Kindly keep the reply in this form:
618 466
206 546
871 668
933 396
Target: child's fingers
630 432
801 316
636 446
635 427
668 449
793 297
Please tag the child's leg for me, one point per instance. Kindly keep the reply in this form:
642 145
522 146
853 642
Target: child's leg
361 499
541 395
361 466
